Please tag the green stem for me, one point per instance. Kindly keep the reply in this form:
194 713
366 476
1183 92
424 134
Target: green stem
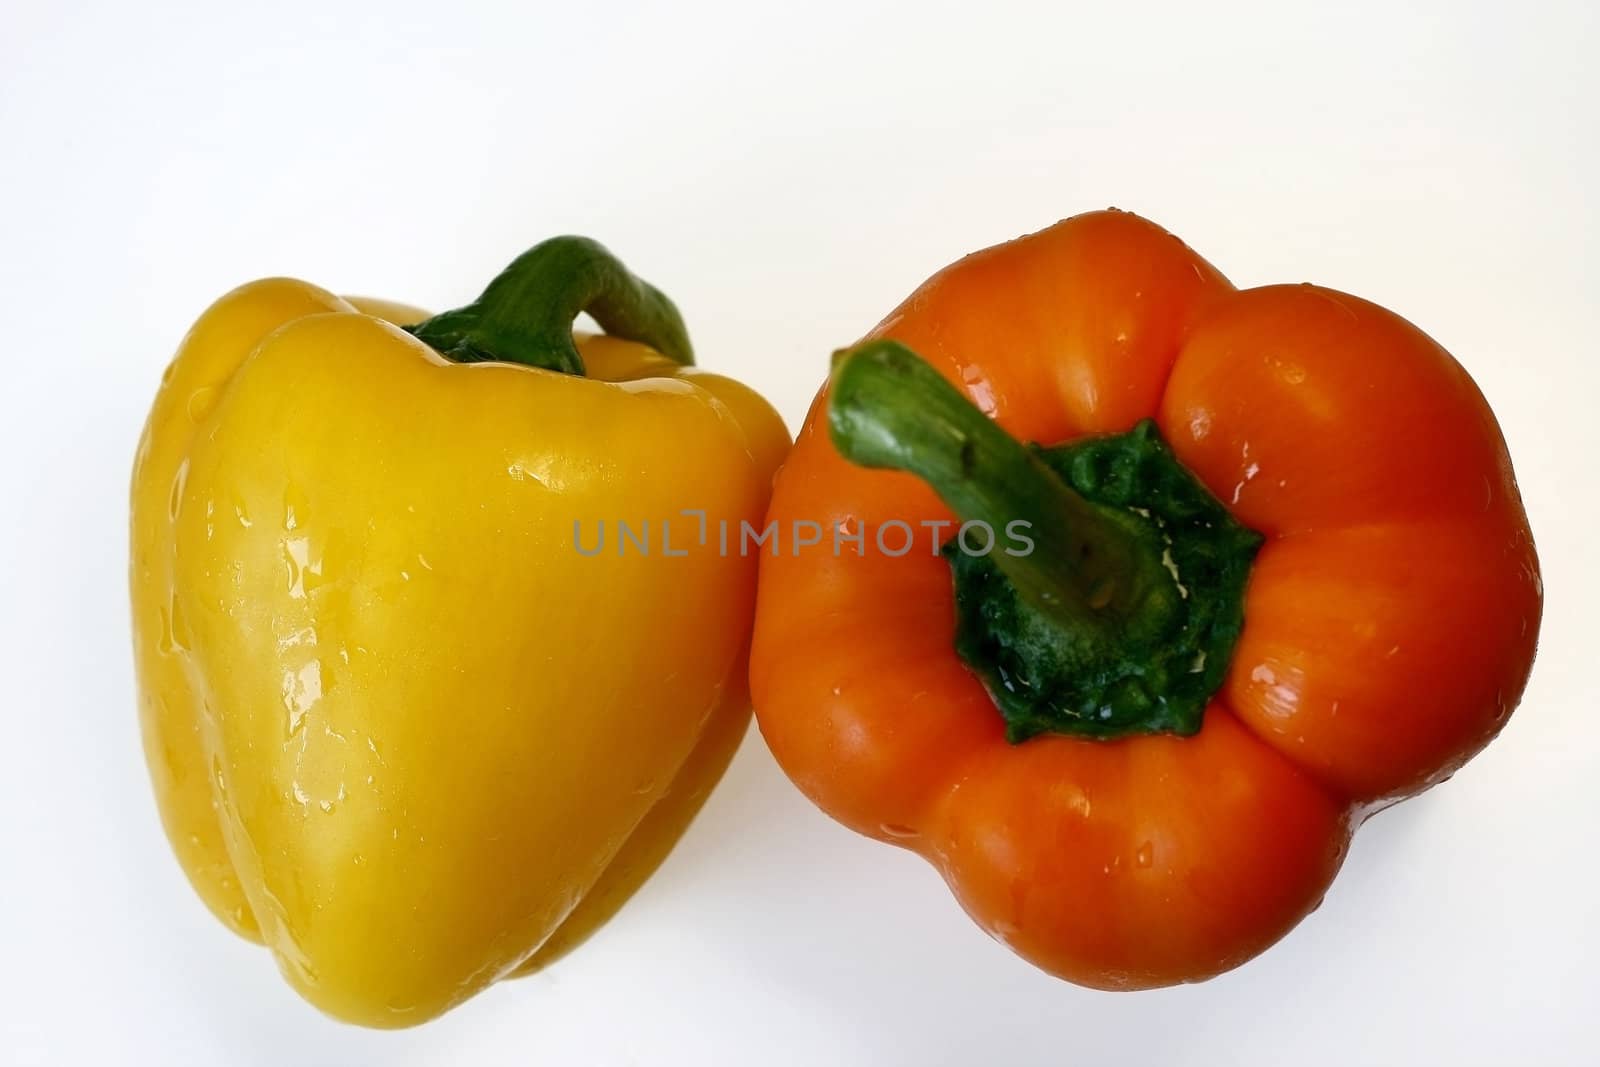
890 409
525 315
1123 618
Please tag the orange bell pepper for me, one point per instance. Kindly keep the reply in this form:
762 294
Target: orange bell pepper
1280 576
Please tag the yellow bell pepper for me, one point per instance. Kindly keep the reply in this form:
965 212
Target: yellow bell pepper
405 726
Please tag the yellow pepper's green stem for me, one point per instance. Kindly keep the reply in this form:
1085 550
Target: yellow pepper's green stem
525 315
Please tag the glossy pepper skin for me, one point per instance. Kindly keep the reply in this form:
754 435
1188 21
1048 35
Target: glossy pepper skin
399 728
1389 620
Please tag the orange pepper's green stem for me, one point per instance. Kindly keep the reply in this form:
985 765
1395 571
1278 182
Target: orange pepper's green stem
1123 616
890 409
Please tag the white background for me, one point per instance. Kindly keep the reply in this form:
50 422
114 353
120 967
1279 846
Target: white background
787 177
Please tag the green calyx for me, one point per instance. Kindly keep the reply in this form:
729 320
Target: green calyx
1161 669
1122 617
525 315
